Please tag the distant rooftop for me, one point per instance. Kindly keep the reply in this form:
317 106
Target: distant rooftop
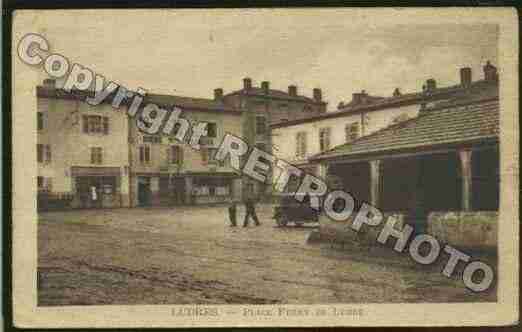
463 122
166 101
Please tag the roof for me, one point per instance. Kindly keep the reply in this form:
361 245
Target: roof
278 94
449 124
188 103
482 89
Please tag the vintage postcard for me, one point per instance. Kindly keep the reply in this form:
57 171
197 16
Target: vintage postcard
265 167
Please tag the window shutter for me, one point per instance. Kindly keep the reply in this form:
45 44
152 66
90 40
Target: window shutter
105 125
147 154
170 155
100 156
85 120
93 156
142 154
39 153
180 155
304 145
48 153
49 184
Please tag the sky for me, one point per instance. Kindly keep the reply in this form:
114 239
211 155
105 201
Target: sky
190 52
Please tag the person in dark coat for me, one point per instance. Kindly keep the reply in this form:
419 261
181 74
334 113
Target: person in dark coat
232 212
250 206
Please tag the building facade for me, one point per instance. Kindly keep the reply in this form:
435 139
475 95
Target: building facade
264 107
82 151
167 172
296 141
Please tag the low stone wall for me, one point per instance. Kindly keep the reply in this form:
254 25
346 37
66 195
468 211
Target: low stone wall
474 230
465 230
340 232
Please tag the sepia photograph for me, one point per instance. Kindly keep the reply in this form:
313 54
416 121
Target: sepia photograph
265 167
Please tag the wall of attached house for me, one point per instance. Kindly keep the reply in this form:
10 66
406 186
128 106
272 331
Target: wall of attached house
285 138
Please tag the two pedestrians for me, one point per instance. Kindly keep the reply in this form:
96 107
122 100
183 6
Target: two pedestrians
250 207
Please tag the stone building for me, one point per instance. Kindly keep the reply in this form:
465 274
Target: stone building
265 107
82 151
166 172
296 141
439 170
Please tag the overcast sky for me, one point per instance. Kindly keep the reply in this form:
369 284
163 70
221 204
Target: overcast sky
191 53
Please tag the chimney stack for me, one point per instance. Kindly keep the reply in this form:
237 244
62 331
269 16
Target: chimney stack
265 85
490 72
318 95
49 83
218 94
431 84
247 83
397 92
292 90
359 97
465 76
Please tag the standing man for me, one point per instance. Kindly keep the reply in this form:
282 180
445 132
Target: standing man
232 210
250 206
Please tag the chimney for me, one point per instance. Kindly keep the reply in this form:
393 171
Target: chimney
292 90
490 72
465 76
397 92
265 85
49 83
431 84
247 83
218 94
359 97
318 95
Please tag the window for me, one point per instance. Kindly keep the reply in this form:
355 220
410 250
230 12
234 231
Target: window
95 124
44 184
39 153
40 121
175 155
43 153
301 144
156 139
324 139
211 130
96 155
144 152
47 153
351 131
260 125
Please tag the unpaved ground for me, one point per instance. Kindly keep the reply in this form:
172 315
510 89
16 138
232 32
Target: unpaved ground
191 256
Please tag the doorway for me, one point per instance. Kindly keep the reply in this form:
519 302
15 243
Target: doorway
144 192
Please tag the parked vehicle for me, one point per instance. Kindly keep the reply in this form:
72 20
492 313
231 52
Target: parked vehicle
290 210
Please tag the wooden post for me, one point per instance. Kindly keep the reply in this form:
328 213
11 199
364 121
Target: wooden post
188 190
466 171
322 171
375 182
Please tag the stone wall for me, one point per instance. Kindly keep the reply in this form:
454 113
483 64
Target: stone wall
476 229
340 232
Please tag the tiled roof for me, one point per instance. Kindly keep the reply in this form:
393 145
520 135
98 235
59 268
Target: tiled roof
478 89
188 102
255 91
167 101
448 124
